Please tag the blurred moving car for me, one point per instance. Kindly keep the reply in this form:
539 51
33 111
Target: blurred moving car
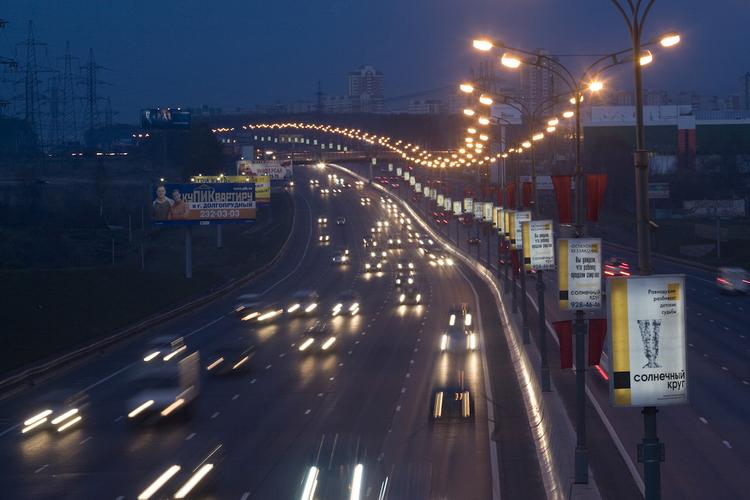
474 240
615 266
455 339
410 295
373 265
162 346
323 221
230 356
260 312
404 264
340 256
347 303
317 338
450 404
340 221
404 278
245 302
733 280
324 239
57 411
303 302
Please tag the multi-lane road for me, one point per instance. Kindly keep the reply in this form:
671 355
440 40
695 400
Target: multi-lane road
707 444
368 400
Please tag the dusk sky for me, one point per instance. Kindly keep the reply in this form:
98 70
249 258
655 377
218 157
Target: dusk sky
235 53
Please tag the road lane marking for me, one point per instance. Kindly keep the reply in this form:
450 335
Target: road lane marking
190 436
727 444
253 381
307 412
86 440
40 469
216 414
268 367
245 495
235 397
119 418
703 419
398 407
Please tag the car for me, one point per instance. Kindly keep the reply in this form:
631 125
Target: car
615 266
455 339
373 265
410 295
263 312
405 264
439 258
324 239
394 243
244 302
346 303
229 356
163 346
322 221
369 241
451 404
733 280
303 302
474 241
461 315
383 255
404 278
340 257
340 221
317 338
57 411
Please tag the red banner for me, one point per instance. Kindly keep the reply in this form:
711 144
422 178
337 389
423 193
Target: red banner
562 195
514 262
564 331
510 195
527 194
595 186
597 333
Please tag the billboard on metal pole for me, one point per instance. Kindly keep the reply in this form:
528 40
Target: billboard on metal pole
538 245
647 345
516 241
468 205
203 204
579 273
165 119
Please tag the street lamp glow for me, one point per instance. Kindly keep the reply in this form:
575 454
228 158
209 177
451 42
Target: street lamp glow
471 130
550 129
467 88
469 140
510 61
483 45
646 57
669 39
526 144
596 86
483 137
537 137
483 120
569 114
486 100
505 155
469 112
553 122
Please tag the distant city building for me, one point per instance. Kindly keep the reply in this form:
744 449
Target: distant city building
537 82
365 90
336 104
426 107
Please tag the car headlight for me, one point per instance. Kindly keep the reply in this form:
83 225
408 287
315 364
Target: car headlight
419 297
367 266
402 297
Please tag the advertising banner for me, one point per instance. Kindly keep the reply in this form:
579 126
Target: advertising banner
433 194
262 184
647 346
427 191
468 205
579 273
447 204
516 240
538 245
489 209
478 209
407 176
418 187
456 208
440 199
272 168
390 167
413 181
165 119
203 204
398 171
496 215
508 222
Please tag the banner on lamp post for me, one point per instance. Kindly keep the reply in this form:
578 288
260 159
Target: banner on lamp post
496 214
456 208
418 187
489 210
516 240
447 204
433 194
647 349
478 210
440 199
538 245
407 176
579 273
398 171
390 167
468 205
508 222
413 181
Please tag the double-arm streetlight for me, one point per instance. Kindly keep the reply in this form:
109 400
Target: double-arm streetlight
589 79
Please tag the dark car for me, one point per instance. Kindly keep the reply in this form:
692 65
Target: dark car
410 295
230 356
451 404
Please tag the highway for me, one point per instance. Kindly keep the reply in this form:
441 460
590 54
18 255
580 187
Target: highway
368 400
707 444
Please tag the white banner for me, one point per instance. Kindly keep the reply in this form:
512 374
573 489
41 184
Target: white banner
488 211
440 199
456 208
646 323
418 187
390 166
447 204
426 191
517 237
579 274
478 210
468 205
398 171
538 245
407 176
413 181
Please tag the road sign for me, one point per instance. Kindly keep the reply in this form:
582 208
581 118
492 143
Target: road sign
647 340
658 190
579 274
519 218
538 245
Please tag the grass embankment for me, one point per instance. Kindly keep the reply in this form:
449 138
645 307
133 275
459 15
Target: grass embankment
49 311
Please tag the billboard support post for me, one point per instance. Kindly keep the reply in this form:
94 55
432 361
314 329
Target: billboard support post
652 451
188 252
544 369
524 307
219 236
581 452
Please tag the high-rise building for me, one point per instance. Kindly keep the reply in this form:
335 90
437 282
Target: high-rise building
366 90
537 82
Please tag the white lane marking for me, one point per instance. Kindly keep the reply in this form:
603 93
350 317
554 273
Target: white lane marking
119 418
9 429
86 440
245 495
746 382
320 394
727 444
235 397
304 254
307 412
703 419
331 379
268 367
341 364
398 407
197 330
40 469
282 354
190 436
725 368
216 414
253 381
403 390
408 375
120 498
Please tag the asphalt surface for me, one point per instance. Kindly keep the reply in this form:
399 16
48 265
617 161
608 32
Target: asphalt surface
367 402
707 444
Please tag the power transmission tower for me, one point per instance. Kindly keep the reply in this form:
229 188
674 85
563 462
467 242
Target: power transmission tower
92 109
68 99
32 98
54 101
6 61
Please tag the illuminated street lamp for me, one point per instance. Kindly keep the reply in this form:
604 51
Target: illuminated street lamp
537 137
510 61
483 120
466 88
486 100
469 112
483 45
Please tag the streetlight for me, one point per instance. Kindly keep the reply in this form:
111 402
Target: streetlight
483 44
635 19
466 88
469 112
483 120
486 100
509 60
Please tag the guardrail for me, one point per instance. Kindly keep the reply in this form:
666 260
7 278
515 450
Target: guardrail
28 376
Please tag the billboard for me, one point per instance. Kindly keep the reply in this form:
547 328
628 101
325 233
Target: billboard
538 245
579 273
646 322
447 204
203 204
468 205
262 184
165 119
518 218
456 208
271 168
488 211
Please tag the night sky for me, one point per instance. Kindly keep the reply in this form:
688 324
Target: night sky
236 53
